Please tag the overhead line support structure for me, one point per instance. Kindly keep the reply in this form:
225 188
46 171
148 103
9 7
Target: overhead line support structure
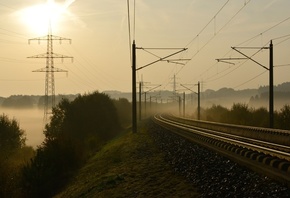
49 69
271 74
134 102
271 78
145 99
198 97
163 58
134 69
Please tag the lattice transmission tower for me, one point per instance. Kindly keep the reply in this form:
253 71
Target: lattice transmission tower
49 69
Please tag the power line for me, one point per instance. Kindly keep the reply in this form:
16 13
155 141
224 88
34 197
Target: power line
24 80
270 28
282 41
245 4
288 35
105 77
129 31
210 78
6 6
284 65
207 23
12 60
16 34
92 71
79 79
134 27
250 80
83 66
274 26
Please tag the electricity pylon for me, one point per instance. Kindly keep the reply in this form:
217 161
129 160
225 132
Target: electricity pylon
49 69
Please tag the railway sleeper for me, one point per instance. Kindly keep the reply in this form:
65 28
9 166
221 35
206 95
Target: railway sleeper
249 153
267 160
276 136
263 162
243 152
254 155
275 163
285 166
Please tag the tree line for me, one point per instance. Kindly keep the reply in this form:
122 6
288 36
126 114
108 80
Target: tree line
25 101
242 114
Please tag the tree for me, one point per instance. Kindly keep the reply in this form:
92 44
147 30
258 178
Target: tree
11 136
260 117
88 116
284 117
240 114
76 130
217 113
124 107
13 154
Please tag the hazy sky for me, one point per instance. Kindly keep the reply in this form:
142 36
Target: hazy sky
100 43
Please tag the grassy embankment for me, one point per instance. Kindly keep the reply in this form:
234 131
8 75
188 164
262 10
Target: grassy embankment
129 166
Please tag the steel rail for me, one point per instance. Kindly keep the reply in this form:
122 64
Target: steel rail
260 158
257 145
278 136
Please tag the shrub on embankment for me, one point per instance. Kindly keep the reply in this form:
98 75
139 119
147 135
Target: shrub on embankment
77 129
13 154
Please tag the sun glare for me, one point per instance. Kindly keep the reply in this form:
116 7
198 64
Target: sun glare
40 17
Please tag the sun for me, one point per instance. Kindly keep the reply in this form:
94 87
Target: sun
40 18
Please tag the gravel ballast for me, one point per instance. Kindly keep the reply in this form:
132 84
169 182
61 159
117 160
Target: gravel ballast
214 175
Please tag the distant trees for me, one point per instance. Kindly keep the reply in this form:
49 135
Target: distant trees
77 129
30 101
58 98
241 114
18 102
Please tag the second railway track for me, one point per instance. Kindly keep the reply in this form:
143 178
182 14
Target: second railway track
268 154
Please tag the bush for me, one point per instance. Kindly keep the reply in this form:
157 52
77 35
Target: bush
92 116
260 117
240 114
124 109
11 136
284 118
217 113
77 129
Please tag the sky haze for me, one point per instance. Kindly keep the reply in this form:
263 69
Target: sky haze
100 43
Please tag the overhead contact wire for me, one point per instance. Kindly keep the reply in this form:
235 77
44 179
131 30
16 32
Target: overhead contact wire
129 30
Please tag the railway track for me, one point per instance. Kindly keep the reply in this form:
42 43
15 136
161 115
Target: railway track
263 150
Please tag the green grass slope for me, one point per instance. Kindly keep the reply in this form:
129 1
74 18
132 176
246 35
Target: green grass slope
129 166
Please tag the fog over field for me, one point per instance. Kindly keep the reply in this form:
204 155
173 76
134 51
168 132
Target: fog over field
30 120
